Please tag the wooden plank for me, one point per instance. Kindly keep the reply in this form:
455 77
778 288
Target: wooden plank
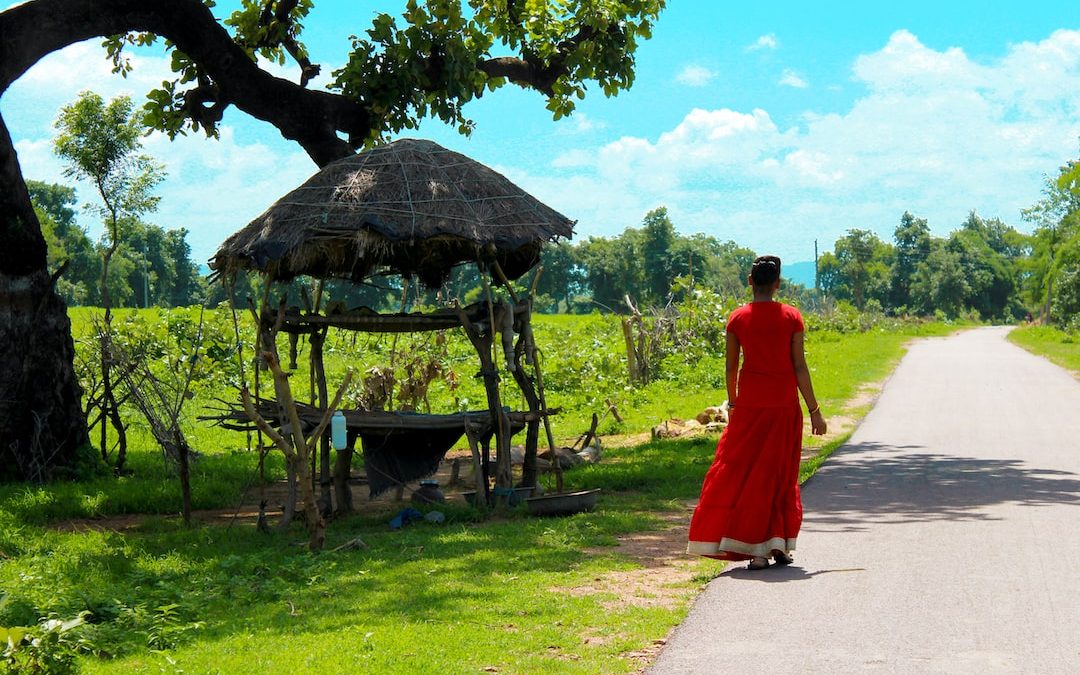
368 320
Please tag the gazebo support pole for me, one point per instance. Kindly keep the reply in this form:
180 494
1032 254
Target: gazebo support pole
342 473
532 427
503 477
316 341
266 343
479 476
482 343
535 399
258 364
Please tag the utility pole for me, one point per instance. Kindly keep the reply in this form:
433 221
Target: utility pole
817 287
146 278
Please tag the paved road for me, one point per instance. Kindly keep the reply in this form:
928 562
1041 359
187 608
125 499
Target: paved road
943 537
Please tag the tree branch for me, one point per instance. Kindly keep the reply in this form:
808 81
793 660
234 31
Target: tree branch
530 72
30 31
264 426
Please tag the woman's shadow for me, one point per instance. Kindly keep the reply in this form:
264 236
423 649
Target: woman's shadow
780 573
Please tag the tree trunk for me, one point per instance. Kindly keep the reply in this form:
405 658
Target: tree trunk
1045 318
42 425
110 406
184 460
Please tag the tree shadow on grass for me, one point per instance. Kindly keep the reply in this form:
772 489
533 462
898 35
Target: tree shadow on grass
872 483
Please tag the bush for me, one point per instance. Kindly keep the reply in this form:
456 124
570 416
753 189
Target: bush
50 648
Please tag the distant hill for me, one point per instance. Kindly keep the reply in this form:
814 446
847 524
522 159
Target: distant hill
800 272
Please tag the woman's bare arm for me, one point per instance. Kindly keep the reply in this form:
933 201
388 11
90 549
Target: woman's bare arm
732 367
806 386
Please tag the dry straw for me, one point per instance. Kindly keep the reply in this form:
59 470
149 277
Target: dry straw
410 206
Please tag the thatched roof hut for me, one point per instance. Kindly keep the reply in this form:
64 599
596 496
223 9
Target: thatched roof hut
411 206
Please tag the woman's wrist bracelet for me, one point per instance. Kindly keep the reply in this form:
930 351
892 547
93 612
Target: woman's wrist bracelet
817 408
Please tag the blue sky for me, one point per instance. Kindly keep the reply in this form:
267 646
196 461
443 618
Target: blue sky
771 124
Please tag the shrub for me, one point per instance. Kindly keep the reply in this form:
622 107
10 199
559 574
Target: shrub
50 648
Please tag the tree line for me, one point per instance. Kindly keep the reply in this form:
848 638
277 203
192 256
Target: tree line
984 269
152 266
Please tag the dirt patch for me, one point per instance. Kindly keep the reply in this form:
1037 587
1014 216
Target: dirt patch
664 568
626 440
112 523
643 658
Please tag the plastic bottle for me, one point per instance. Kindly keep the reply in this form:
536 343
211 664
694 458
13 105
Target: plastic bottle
337 430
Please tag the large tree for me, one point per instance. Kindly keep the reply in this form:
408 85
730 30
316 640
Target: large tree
430 62
864 261
911 241
657 239
1057 228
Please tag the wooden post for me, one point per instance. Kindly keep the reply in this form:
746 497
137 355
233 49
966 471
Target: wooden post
491 389
631 355
482 342
479 477
296 448
503 477
342 472
525 383
316 341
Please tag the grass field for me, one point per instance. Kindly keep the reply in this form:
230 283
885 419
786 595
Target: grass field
508 594
1057 345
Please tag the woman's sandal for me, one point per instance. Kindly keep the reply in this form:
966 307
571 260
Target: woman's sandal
781 558
758 563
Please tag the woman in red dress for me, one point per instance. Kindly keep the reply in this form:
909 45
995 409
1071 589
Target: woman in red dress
750 507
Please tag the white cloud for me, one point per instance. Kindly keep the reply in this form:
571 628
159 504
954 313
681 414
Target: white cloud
789 78
580 123
935 133
695 76
767 41
213 187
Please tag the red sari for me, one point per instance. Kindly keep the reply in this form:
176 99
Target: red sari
750 501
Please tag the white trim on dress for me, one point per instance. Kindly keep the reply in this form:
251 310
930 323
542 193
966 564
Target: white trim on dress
761 550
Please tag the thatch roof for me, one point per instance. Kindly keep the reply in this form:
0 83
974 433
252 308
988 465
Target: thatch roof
411 206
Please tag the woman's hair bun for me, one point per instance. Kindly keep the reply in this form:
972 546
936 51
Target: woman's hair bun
765 270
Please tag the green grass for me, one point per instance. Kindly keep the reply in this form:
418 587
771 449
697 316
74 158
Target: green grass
458 597
1057 345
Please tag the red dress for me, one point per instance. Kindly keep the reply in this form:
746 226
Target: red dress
750 502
